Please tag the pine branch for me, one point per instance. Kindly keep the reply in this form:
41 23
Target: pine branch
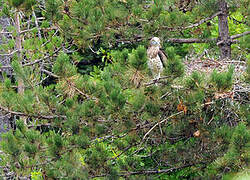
3 32
234 37
195 24
31 115
81 92
202 21
49 73
10 54
156 80
191 40
30 63
148 172
37 26
158 123
240 35
39 29
196 40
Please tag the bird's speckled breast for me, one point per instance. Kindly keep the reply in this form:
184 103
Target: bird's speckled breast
152 52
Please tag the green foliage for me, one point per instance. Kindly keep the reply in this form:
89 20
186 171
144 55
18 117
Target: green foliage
17 68
174 66
16 3
138 100
223 80
10 145
121 56
118 98
242 175
240 137
26 4
237 154
36 175
53 10
63 67
138 58
194 81
89 110
247 76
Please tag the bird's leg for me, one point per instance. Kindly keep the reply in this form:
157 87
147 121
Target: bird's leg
158 76
156 79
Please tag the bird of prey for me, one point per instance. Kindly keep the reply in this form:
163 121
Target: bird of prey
156 57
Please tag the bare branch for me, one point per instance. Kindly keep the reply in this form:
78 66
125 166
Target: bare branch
31 115
202 21
240 35
191 40
81 92
164 120
39 29
49 73
30 63
156 80
148 172
5 32
195 24
10 54
36 22
234 37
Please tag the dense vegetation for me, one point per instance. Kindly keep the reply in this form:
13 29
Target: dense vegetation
84 104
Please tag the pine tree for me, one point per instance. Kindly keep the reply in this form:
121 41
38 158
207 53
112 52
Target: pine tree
110 120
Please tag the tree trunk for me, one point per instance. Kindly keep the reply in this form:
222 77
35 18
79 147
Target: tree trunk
19 49
224 38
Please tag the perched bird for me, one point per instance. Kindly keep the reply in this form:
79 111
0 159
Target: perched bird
156 57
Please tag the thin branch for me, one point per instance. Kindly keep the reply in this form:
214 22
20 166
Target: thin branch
5 32
36 22
30 63
156 80
191 40
148 172
39 29
234 37
125 150
166 94
95 52
195 24
202 21
31 115
49 73
80 92
10 54
39 125
240 35
197 40
158 123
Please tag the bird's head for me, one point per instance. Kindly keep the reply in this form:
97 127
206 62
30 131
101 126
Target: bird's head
155 41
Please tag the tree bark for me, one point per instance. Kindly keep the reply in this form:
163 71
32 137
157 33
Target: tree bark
224 38
19 49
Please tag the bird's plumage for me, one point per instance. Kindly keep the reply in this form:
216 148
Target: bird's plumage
156 58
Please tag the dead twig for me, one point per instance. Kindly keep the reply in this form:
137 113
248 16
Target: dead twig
148 172
38 116
156 80
158 123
